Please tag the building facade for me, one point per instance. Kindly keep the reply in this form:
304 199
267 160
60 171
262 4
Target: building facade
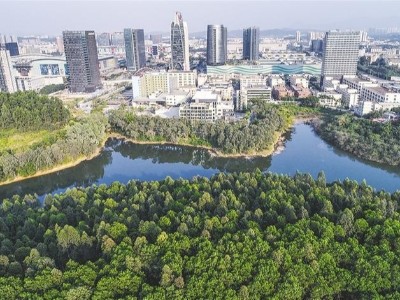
179 44
82 61
251 43
13 48
7 83
340 53
134 49
217 44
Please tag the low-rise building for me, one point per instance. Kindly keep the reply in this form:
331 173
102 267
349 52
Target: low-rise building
378 93
275 80
247 94
176 98
282 91
350 97
300 91
206 106
296 80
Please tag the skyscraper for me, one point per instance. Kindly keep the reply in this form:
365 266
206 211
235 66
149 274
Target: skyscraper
82 61
340 53
298 36
179 44
103 39
217 44
13 48
251 43
134 49
7 82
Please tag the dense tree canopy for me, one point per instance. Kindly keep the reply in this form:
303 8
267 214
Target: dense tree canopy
379 142
80 137
234 236
31 111
266 122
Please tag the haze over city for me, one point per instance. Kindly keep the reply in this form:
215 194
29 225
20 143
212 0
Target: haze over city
52 17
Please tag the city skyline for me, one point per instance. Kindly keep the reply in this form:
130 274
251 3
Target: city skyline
303 15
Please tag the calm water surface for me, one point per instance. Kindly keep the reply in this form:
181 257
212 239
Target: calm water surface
121 161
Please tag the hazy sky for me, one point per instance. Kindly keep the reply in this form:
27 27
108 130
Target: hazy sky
52 17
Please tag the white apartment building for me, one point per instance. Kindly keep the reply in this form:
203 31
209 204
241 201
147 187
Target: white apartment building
247 94
298 81
275 80
165 82
350 97
206 106
176 98
377 93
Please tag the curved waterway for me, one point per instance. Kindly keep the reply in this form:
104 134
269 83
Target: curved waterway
122 161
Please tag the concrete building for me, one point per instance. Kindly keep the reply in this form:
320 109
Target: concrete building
340 53
103 39
33 72
108 64
117 39
176 98
376 93
279 92
217 39
275 80
296 80
179 44
82 61
164 82
298 36
300 92
206 106
350 97
251 93
251 43
134 49
7 83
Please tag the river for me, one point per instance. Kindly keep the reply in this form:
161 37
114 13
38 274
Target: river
121 161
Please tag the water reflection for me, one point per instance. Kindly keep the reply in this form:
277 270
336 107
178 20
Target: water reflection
121 161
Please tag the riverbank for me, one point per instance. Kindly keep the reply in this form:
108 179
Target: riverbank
264 153
58 168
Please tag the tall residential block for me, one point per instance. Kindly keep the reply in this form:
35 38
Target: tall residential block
340 53
217 44
298 36
82 61
179 44
251 43
134 49
7 82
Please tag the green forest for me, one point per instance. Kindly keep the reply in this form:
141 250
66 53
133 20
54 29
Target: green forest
49 135
31 111
234 236
247 136
374 141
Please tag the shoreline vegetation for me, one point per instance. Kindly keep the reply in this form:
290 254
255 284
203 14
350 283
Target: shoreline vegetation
363 138
261 135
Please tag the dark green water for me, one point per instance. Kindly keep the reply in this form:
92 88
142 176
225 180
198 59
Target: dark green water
121 161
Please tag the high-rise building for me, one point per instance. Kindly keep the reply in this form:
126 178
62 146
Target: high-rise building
134 49
13 48
103 39
179 44
117 39
363 36
82 61
217 44
251 43
60 44
340 53
7 82
298 36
